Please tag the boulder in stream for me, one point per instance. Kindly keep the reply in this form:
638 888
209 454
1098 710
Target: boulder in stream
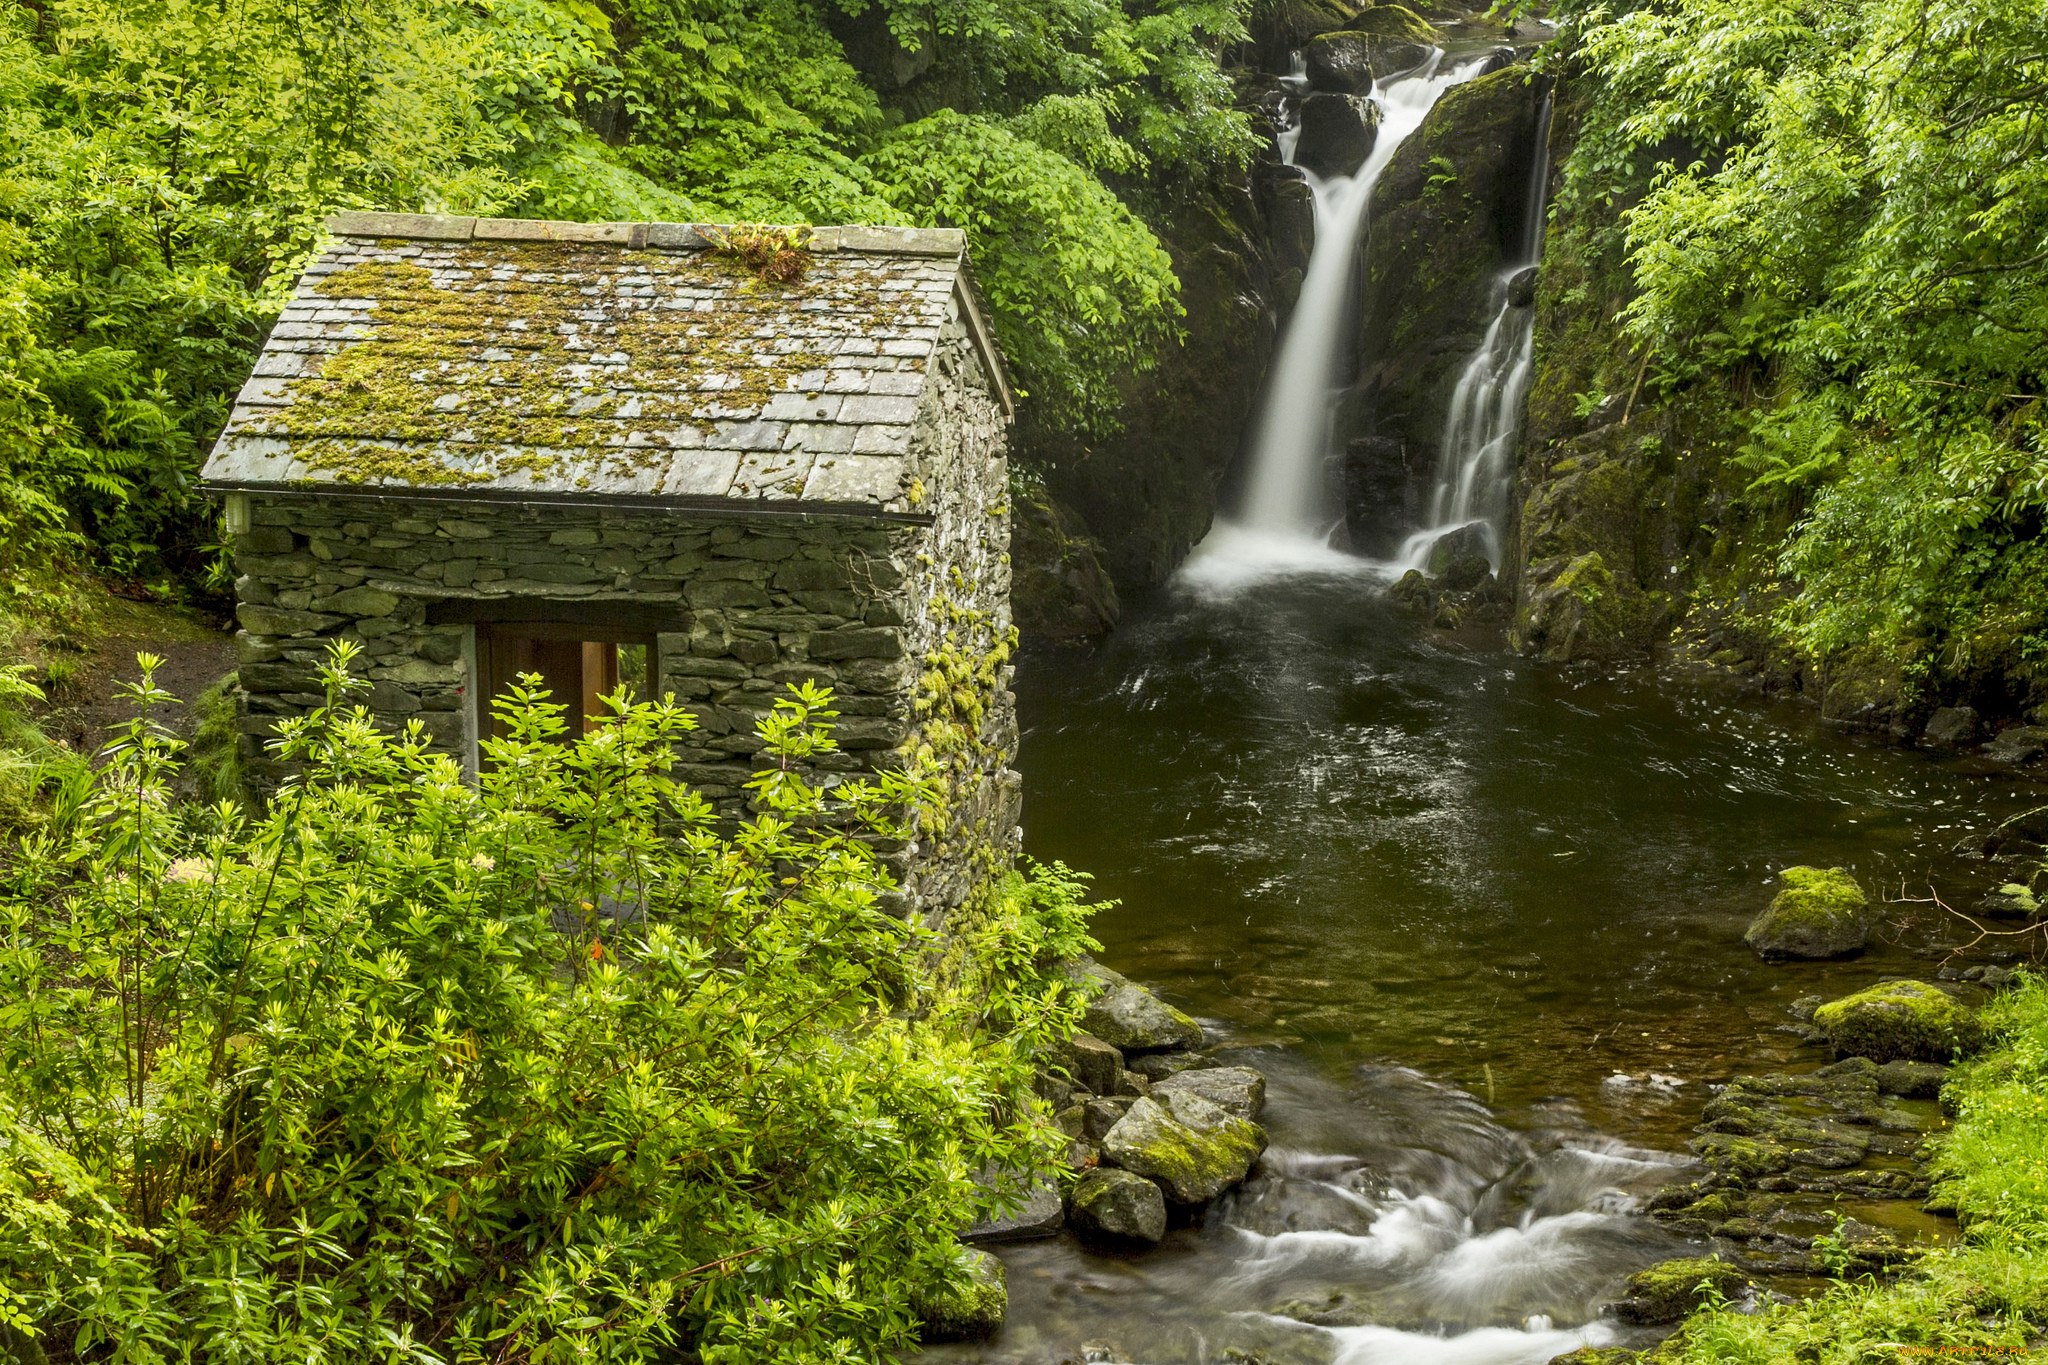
2013 900
1096 1065
1037 1215
1340 63
1669 1290
2017 744
1135 1020
1191 1147
1901 1021
1822 912
970 1309
1950 727
1337 134
1237 1090
1157 1066
1522 287
1118 1205
1459 559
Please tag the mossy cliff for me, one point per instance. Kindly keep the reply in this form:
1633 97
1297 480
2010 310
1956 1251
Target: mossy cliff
1449 218
1645 459
1608 475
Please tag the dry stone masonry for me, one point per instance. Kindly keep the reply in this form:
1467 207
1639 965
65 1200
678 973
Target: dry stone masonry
479 447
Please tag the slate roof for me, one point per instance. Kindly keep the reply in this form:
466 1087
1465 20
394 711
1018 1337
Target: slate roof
599 360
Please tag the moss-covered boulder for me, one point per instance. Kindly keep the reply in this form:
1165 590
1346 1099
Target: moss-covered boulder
1669 1290
1339 62
1117 1206
1901 1020
2013 900
1392 24
1821 912
968 1307
1190 1146
1132 1019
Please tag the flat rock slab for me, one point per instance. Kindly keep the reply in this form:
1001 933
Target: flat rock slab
1040 1216
1133 1019
1237 1090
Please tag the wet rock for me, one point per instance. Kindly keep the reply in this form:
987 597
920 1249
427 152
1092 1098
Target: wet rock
1459 559
1669 1290
1133 1019
1060 590
1237 1090
1190 1146
1412 593
1131 1083
1820 913
1337 134
2011 901
1096 1065
1099 1116
1950 727
1157 1066
1802 1009
1597 1355
1912 1080
1379 493
1741 1158
1291 218
1522 287
1500 59
1039 1215
968 1310
1901 1020
1118 1205
2017 744
1995 978
1340 63
1395 59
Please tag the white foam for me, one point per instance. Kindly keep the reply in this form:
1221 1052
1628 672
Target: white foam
1483 1346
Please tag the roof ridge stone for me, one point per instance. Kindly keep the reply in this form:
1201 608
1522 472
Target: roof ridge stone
867 239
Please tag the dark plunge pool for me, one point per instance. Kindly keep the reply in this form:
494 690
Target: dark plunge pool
1480 922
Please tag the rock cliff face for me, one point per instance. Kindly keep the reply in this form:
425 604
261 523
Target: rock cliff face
1149 493
1448 218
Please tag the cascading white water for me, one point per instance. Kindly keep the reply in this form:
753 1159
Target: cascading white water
1476 460
1286 518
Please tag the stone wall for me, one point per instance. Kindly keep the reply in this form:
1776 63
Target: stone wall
907 619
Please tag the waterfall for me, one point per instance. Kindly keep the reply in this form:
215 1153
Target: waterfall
1475 476
1287 516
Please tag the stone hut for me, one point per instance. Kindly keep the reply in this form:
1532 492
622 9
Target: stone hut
709 463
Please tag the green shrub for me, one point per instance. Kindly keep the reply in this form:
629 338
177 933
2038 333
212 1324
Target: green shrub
549 1066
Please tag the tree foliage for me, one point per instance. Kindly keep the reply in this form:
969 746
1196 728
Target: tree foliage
165 167
1847 203
544 1067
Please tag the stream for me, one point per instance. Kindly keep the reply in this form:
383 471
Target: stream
1479 923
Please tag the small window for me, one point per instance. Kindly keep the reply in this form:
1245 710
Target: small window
576 669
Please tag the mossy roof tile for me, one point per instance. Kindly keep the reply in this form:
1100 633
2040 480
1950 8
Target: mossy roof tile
512 356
